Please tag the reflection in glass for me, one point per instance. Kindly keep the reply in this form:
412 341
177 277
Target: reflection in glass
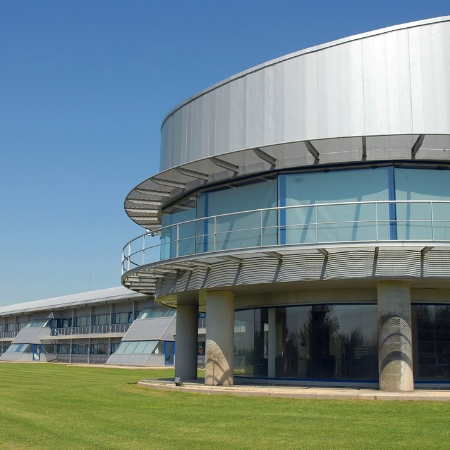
431 342
244 330
334 223
321 342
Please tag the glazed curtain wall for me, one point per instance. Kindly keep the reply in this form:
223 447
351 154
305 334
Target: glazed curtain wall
323 342
431 342
414 219
241 229
300 220
350 222
334 342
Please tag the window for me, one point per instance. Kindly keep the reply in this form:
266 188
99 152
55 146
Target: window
431 340
319 342
124 317
346 221
36 323
81 321
100 319
114 347
63 349
99 349
18 348
153 313
136 347
80 349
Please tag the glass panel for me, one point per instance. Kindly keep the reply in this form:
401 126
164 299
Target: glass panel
63 349
157 348
100 319
36 323
122 347
131 347
244 337
352 222
354 342
18 348
261 346
322 342
79 349
431 342
152 313
178 240
292 349
242 229
141 347
441 221
137 347
415 219
82 321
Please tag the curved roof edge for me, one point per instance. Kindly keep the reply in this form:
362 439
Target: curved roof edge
91 297
316 48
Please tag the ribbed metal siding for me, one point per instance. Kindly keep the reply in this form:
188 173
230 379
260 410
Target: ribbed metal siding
391 83
343 264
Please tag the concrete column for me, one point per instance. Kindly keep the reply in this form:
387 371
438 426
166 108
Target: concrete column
186 342
219 364
394 336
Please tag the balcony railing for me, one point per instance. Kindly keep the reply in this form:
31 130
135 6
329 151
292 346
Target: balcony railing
93 329
8 334
316 224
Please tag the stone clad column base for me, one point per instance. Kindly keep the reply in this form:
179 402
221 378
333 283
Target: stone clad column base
186 342
395 356
219 363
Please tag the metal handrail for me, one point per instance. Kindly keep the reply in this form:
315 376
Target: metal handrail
91 329
209 233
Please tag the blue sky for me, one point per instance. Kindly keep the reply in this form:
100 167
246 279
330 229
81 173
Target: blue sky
84 86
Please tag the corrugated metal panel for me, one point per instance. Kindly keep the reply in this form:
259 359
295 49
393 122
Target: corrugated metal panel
437 264
383 83
340 264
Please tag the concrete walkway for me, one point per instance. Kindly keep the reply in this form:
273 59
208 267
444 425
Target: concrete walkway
298 391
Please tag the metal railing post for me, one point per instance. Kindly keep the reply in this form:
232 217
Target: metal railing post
317 224
432 220
215 232
143 249
261 227
376 220
177 241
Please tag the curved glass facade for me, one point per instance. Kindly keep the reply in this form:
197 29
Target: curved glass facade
319 342
431 342
334 342
329 205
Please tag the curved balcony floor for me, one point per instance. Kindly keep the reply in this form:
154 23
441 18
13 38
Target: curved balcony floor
424 263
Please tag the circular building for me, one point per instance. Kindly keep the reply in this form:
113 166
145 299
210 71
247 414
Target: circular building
304 205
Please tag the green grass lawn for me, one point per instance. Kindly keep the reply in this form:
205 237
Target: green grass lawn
53 406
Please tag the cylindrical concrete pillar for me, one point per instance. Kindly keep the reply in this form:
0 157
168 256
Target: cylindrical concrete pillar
219 365
186 342
394 336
